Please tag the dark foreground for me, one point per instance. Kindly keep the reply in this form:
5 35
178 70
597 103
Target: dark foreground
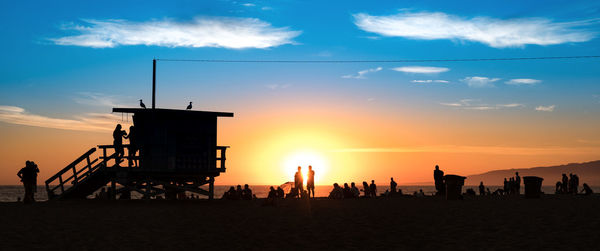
398 223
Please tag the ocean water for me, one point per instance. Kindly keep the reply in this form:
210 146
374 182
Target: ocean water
13 193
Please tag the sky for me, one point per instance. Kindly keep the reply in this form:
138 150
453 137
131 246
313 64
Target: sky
65 66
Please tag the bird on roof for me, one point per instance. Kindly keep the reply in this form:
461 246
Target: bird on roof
189 107
142 104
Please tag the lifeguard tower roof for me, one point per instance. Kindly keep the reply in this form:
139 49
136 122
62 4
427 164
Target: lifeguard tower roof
173 111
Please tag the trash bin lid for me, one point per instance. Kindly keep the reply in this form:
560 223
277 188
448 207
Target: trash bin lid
454 177
532 178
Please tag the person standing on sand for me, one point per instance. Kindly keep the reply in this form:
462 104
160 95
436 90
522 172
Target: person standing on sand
565 183
481 189
310 182
28 176
517 183
298 181
438 177
393 185
373 189
354 190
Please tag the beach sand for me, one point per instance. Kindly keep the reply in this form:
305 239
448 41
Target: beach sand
553 222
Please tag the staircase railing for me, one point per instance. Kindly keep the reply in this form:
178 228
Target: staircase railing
70 175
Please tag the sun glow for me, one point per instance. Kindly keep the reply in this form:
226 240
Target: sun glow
304 158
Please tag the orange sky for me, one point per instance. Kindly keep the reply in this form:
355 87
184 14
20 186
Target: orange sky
347 145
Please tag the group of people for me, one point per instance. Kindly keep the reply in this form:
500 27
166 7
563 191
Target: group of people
512 186
118 136
298 189
570 185
239 193
28 176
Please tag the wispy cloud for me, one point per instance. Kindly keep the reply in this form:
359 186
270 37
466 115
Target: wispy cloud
428 81
421 69
542 108
278 86
248 4
498 33
523 81
266 8
499 150
101 99
479 82
361 74
231 33
89 122
473 104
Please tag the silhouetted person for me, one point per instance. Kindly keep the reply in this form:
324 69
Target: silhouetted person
586 189
230 194
506 187
373 189
28 176
246 193
189 107
354 190
310 182
366 189
393 186
565 183
438 177
337 192
299 181
347 192
481 188
238 191
558 189
570 186
118 135
133 146
272 193
280 193
517 183
142 104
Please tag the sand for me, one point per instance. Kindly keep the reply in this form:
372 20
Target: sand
554 222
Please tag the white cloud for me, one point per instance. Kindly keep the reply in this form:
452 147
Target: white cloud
266 8
231 33
278 86
498 33
479 82
473 104
542 108
100 99
89 122
361 74
421 69
430 81
249 4
523 81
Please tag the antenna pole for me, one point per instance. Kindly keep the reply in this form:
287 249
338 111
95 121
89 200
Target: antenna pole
153 83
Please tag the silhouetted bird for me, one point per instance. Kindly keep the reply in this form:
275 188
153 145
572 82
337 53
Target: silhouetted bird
142 104
189 107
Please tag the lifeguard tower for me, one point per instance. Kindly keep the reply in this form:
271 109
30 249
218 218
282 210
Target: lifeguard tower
178 153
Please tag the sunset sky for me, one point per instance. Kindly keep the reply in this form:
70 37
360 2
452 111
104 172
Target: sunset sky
65 66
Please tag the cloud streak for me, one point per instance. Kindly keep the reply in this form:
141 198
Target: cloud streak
230 33
361 74
523 81
479 82
429 81
494 32
542 108
421 69
471 104
94 122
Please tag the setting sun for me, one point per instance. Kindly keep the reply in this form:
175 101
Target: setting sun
304 158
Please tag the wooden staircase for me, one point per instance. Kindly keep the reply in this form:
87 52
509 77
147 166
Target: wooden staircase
79 179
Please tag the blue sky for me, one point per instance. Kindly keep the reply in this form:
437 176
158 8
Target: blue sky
60 58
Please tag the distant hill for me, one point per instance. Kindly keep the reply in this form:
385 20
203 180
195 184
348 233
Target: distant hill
588 172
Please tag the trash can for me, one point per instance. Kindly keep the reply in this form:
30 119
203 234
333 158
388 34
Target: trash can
533 186
454 184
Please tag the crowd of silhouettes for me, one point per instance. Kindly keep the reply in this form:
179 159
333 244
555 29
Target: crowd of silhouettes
570 185
239 193
512 186
28 176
